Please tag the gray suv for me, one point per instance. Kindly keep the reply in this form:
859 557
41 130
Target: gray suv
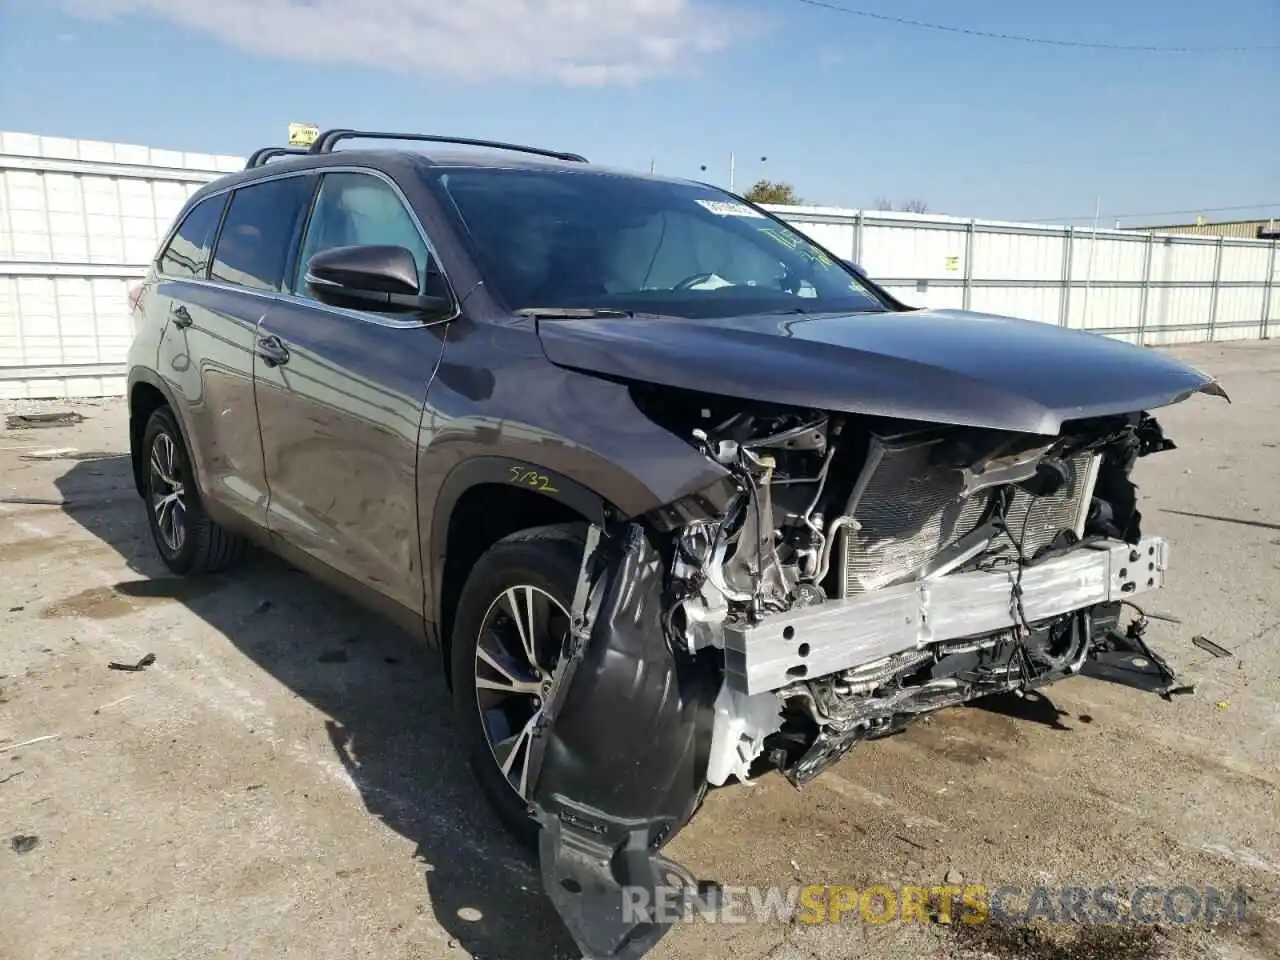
679 495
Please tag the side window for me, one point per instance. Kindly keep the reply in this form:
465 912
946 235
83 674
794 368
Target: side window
260 231
357 208
187 255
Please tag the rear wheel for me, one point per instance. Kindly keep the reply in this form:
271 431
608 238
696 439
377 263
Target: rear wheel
189 542
512 620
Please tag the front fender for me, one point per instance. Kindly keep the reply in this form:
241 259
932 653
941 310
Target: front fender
508 471
569 436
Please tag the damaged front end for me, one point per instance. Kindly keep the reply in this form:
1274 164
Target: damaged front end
847 575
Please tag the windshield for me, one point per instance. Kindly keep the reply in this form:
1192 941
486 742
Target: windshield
587 239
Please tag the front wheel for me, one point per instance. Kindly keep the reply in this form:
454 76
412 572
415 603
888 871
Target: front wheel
188 541
512 621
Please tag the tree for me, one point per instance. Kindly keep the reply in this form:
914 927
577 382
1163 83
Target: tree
907 206
769 191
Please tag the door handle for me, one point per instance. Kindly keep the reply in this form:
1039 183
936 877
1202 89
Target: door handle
181 317
273 351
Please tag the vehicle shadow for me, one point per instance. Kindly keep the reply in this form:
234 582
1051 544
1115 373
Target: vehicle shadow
387 709
1033 705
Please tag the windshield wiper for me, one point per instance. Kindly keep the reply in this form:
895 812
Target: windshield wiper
572 313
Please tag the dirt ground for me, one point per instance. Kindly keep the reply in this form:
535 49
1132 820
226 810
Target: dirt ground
282 781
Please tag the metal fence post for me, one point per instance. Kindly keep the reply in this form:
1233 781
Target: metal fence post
857 239
1145 296
57 325
1064 307
1270 289
969 233
1217 283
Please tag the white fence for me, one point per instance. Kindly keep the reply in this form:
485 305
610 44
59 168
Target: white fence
1152 289
79 219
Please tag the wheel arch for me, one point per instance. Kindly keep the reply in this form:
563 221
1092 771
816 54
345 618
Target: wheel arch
147 394
483 500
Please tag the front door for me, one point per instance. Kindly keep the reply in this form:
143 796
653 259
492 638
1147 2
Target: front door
340 395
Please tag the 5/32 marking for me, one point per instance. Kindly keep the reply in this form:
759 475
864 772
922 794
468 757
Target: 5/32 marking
532 478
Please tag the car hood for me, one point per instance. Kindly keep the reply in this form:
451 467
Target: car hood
939 366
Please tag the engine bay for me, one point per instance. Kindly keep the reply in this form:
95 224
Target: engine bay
845 575
882 519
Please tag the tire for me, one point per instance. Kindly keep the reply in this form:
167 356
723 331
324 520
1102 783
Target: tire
202 546
542 562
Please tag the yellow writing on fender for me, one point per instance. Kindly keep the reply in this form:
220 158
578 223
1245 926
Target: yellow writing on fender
531 478
883 904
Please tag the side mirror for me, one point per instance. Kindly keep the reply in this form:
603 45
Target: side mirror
372 277
855 268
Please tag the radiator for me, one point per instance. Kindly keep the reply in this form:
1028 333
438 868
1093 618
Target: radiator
908 510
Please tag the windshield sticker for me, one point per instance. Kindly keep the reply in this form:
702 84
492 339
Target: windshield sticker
793 242
726 208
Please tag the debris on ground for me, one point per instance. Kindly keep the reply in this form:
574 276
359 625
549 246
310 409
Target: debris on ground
24 843
954 877
1074 942
141 665
26 743
1223 704
1208 646
112 703
27 421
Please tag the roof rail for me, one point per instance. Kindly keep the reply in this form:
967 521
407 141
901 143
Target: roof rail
327 140
259 157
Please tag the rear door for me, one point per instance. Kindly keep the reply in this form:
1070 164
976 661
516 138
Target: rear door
210 340
340 397
205 355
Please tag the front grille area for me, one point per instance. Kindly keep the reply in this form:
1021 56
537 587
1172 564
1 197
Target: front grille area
909 510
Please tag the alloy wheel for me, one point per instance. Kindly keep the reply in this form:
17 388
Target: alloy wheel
519 645
168 493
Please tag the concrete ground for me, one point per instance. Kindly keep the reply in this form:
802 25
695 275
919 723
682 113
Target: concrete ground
282 781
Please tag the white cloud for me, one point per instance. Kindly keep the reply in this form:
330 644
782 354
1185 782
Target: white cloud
577 42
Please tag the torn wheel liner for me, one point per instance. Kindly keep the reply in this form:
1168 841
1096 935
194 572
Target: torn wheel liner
625 756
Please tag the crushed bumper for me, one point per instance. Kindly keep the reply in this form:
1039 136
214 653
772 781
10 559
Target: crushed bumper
810 642
610 793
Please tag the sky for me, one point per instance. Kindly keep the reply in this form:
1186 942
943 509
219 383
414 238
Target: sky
847 109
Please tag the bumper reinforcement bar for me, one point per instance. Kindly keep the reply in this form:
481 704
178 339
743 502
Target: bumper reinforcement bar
811 642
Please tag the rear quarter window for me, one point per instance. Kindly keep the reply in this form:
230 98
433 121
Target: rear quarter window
186 256
260 232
